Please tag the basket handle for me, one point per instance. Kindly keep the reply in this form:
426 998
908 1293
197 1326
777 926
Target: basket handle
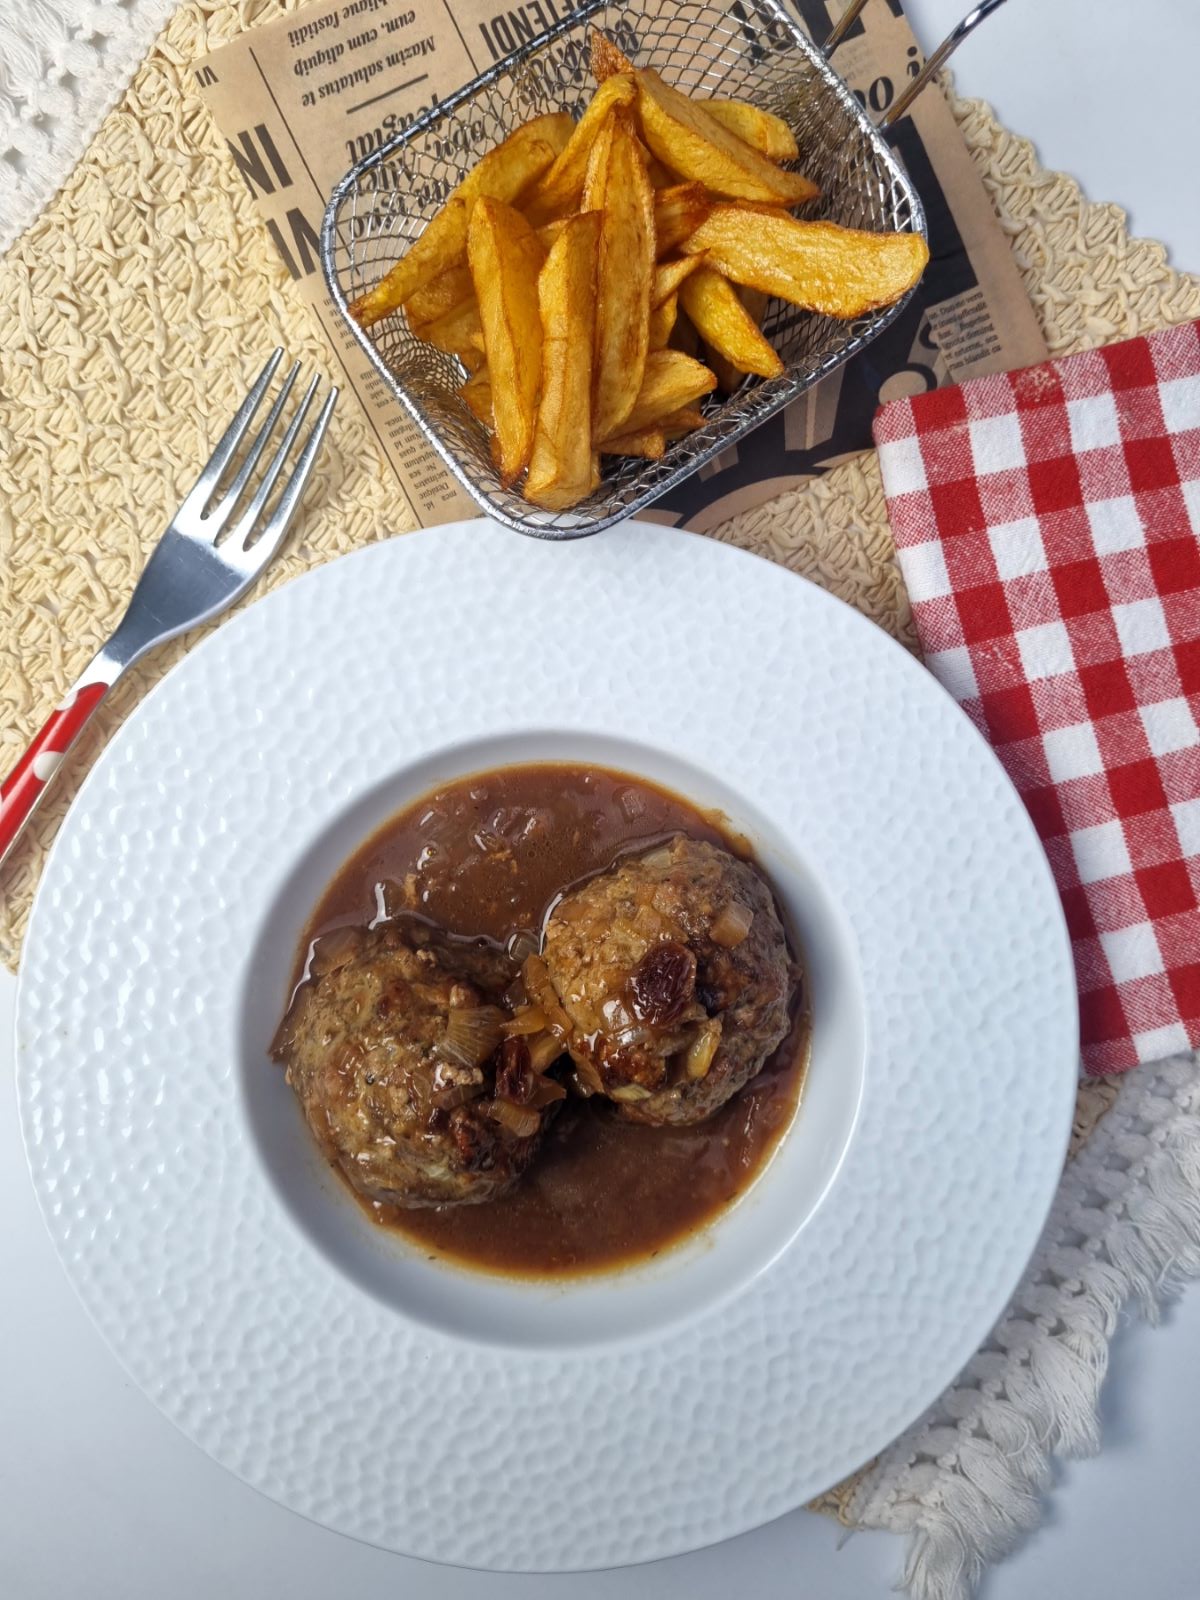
938 59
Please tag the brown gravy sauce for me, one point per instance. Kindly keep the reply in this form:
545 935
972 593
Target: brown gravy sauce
489 855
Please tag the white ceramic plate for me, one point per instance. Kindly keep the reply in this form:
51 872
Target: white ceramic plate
473 1419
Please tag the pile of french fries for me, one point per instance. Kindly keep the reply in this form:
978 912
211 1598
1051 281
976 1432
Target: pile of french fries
597 279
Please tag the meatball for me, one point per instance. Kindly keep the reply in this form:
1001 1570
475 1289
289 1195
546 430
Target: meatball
674 974
393 1046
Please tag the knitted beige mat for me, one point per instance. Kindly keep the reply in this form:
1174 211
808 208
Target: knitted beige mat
133 310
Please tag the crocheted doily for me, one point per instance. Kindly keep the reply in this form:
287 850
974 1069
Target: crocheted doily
62 66
131 311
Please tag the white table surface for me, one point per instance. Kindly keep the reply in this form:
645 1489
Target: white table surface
100 1496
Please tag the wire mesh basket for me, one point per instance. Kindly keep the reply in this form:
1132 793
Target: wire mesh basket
761 55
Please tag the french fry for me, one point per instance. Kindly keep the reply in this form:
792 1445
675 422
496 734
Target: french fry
729 379
606 58
722 321
841 272
755 302
503 174
561 186
678 212
668 275
617 187
459 332
650 444
662 320
442 294
477 393
672 380
505 258
689 140
438 249
684 337
548 232
686 420
562 467
761 130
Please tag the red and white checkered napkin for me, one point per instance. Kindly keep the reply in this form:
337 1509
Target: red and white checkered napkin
1047 523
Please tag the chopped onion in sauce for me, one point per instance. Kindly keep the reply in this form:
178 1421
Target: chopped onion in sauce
699 1055
519 1120
631 803
541 989
472 1034
457 1094
732 924
522 945
630 1092
547 1092
660 856
544 1051
529 1019
588 1077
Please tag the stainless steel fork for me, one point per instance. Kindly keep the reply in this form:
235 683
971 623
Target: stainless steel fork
204 561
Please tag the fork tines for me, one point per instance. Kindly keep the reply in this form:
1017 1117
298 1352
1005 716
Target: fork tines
207 511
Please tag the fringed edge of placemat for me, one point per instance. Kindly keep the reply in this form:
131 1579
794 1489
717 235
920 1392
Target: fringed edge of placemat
966 1483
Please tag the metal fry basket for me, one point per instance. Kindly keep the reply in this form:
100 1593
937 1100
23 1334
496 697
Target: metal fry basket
758 54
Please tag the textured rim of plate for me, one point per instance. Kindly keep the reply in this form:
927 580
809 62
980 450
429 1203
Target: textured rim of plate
265 1354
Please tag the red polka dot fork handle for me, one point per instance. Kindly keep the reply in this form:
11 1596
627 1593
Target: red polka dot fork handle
28 781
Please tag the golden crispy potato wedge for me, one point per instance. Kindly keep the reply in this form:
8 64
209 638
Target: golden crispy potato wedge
505 259
672 380
755 302
606 58
690 141
438 249
459 331
662 320
678 212
442 294
722 321
477 393
668 275
561 467
841 272
559 188
548 232
761 130
555 127
617 187
684 337
729 379
686 420
650 444
503 174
